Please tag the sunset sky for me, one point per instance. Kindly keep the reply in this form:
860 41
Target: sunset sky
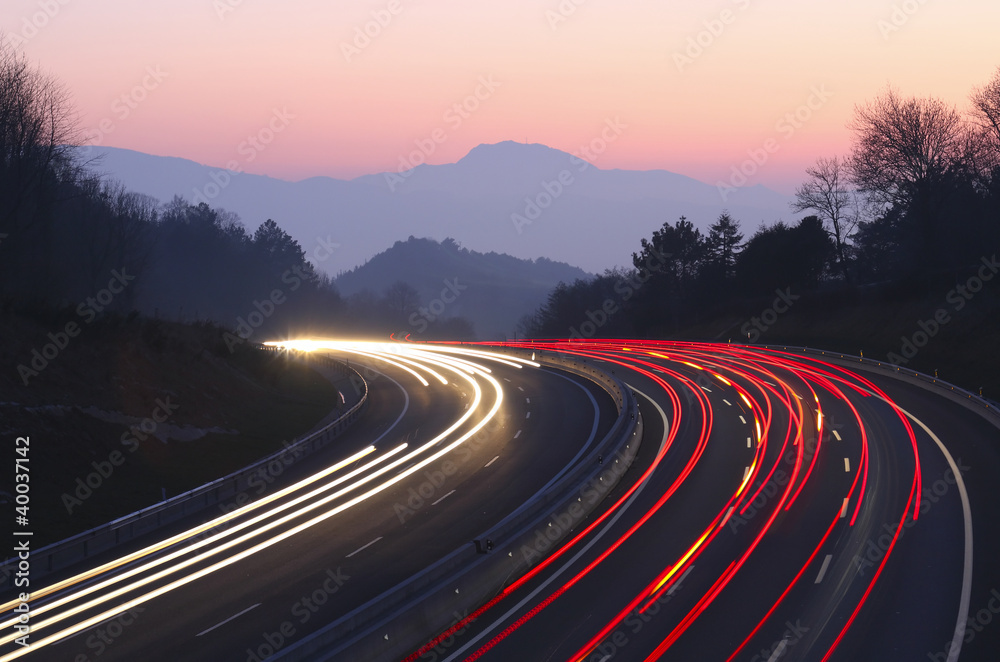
215 71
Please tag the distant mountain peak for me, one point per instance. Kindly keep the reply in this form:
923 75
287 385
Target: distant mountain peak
509 152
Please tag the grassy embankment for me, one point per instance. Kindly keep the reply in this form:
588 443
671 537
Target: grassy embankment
880 322
92 410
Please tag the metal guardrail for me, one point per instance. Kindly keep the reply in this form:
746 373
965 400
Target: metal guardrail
974 401
466 578
69 551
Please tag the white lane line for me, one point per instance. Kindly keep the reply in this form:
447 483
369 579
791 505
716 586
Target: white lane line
746 472
518 434
963 604
528 415
219 625
680 580
528 400
744 420
491 461
443 498
361 549
748 442
837 435
843 509
505 379
520 388
847 465
727 402
822 568
778 651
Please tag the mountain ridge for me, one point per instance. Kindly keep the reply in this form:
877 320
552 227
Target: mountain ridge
477 200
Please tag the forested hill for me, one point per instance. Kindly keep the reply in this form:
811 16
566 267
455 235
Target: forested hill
491 290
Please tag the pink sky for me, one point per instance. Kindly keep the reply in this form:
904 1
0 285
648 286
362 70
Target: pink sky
225 66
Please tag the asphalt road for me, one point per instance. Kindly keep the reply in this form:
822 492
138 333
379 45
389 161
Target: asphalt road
265 601
782 507
783 576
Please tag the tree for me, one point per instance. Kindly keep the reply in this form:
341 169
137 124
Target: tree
909 153
905 145
36 127
402 299
722 244
986 109
277 245
827 194
780 257
677 251
673 257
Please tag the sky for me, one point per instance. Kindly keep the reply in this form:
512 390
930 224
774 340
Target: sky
300 88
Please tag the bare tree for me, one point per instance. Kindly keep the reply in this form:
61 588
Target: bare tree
986 109
905 144
827 194
905 151
36 126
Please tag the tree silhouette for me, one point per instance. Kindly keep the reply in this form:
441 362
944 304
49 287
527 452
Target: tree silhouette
907 151
826 193
722 245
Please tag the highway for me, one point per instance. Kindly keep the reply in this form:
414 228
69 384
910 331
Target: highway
446 451
783 506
